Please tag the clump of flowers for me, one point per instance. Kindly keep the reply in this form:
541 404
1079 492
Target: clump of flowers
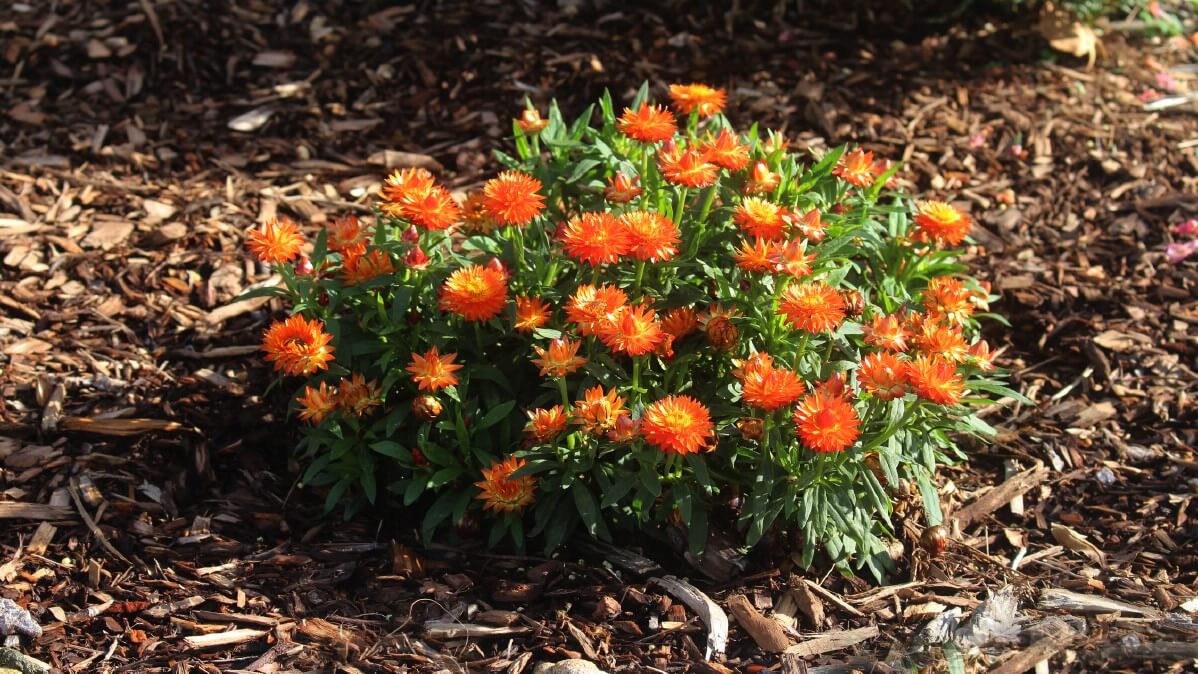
646 310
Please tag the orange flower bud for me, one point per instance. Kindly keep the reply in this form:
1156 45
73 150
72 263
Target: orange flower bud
427 408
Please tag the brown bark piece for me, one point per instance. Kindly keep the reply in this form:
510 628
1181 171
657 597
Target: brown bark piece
768 634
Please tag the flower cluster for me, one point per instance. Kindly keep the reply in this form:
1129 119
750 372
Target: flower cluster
644 310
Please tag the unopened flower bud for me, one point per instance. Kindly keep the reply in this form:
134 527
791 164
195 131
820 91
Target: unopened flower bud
722 334
854 302
427 408
934 540
419 458
303 266
751 428
411 234
530 121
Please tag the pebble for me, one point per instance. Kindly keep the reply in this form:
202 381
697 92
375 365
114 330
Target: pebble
567 667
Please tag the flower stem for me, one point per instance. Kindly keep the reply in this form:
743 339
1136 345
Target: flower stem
681 207
636 377
517 238
595 276
561 387
478 337
640 273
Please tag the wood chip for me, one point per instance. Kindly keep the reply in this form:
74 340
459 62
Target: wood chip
708 611
219 639
832 641
768 634
1001 495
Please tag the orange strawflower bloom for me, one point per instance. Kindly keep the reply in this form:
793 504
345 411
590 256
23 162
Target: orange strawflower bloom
476 293
717 324
726 151
856 168
356 396
621 189
814 307
633 331
826 423
680 322
947 300
512 198
811 225
762 218
762 180
653 236
599 412
677 424
475 217
941 342
298 347
277 240
530 121
883 375
941 223
688 168
626 430
560 359
699 98
546 424
792 258
649 124
432 371
317 403
837 385
766 386
503 492
347 233
935 379
756 256
357 266
981 357
887 332
590 307
531 313
412 195
596 238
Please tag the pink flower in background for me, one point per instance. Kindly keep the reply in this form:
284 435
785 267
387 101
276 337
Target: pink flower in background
1186 227
1154 8
1178 252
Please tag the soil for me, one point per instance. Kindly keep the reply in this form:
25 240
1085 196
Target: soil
150 517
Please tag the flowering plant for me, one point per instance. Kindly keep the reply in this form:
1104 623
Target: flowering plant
645 318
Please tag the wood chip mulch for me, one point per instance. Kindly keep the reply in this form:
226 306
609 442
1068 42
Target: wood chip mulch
148 516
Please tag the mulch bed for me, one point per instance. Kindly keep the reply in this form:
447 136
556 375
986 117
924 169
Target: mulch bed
150 519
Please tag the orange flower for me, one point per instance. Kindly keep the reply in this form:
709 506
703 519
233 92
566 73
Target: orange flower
426 408
883 375
677 424
814 307
621 189
356 396
935 379
476 293
412 195
346 233
475 217
590 307
626 430
531 313
679 322
649 124
759 217
757 256
942 342
836 385
811 225
317 403
856 168
596 238
560 359
887 332
688 168
981 357
633 331
530 121
653 236
699 98
946 299
297 346
504 493
277 240
792 258
721 332
432 371
599 412
762 180
546 424
941 223
512 198
726 151
766 386
826 423
357 267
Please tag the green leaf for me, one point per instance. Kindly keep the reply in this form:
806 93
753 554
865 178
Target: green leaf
414 490
617 491
391 449
588 509
496 414
366 479
437 513
696 532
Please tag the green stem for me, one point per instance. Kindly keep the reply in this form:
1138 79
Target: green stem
765 435
595 276
828 352
681 207
478 337
708 201
636 378
561 387
644 168
551 273
640 273
516 236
